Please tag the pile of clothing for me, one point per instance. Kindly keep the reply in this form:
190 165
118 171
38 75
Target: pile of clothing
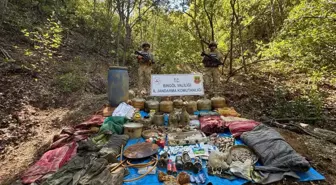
77 133
90 167
83 154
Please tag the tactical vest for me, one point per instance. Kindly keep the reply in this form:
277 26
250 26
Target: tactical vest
207 61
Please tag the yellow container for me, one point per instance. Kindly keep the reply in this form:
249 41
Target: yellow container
138 103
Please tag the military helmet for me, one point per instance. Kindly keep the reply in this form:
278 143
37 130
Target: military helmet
212 43
145 44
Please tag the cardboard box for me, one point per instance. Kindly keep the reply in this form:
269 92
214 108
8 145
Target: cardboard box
108 110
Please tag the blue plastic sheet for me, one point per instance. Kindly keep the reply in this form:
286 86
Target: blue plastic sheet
310 175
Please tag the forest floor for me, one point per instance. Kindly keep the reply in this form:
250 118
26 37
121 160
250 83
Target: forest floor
19 156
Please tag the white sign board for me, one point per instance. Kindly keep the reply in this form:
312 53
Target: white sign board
177 85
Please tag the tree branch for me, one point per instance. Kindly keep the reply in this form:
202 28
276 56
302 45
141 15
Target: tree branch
319 17
255 62
210 21
138 18
189 15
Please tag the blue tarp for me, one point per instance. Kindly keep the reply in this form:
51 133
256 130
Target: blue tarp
310 175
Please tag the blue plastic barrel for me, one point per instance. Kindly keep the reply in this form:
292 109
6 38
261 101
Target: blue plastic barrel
118 85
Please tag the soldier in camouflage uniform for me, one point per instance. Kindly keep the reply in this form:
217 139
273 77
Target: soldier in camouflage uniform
145 60
212 74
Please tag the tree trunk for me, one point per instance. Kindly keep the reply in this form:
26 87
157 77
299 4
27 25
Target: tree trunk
140 20
154 32
272 17
198 30
210 19
199 35
128 29
241 43
118 42
232 2
128 41
281 10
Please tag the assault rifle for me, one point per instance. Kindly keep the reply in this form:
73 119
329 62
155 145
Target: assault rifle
145 57
213 60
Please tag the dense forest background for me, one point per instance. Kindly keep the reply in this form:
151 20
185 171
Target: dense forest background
280 54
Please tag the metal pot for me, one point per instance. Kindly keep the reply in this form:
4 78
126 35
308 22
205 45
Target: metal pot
191 107
138 103
158 119
218 102
166 106
204 104
178 103
152 105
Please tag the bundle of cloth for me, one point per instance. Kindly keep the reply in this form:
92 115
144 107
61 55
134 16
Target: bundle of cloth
89 166
278 158
79 132
237 125
212 124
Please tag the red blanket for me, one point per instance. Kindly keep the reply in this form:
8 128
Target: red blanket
50 162
239 127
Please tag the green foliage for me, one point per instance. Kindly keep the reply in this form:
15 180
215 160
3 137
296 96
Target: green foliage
70 82
297 38
307 39
46 39
309 105
175 49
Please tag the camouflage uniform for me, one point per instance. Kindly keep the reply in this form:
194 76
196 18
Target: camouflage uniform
145 70
211 72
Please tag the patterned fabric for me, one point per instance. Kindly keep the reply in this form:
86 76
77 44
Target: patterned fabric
144 73
211 79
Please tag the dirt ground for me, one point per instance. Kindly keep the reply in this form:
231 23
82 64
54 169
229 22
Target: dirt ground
17 158
41 126
320 153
